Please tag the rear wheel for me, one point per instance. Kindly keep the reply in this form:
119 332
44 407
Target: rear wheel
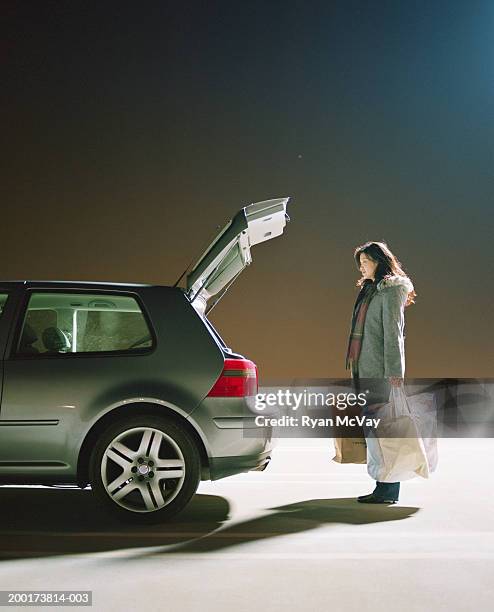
145 468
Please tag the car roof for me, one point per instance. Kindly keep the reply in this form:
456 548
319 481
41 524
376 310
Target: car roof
72 283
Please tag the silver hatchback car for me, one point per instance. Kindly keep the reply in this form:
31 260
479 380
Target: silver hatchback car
129 388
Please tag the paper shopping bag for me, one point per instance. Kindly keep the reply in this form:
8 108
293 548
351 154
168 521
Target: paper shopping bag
350 450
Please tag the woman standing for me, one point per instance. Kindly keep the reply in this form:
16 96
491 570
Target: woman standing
376 347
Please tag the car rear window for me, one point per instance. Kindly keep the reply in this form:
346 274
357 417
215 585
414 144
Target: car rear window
58 323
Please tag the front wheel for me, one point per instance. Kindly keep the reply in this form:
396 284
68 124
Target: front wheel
145 468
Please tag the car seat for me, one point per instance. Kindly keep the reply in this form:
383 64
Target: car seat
29 337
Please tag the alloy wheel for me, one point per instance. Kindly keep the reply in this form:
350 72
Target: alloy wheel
143 469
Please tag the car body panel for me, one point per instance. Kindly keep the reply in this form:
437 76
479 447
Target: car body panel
223 420
49 404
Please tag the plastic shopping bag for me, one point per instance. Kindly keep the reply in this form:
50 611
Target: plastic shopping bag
398 452
424 412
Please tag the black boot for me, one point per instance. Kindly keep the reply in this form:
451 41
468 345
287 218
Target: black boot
384 493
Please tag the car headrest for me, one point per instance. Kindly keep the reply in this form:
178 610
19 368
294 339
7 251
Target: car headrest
55 339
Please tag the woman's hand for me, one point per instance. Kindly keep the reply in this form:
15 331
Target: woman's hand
396 381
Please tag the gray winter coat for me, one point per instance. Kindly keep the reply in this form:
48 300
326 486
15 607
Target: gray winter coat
383 341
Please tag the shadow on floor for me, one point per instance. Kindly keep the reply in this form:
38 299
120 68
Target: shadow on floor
296 518
45 522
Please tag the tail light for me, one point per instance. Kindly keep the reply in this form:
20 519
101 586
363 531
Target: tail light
238 379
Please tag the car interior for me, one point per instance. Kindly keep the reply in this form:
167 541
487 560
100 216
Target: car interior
75 323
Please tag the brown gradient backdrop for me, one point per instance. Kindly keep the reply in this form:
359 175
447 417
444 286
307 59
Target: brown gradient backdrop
132 136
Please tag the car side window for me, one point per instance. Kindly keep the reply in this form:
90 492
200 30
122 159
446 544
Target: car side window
58 323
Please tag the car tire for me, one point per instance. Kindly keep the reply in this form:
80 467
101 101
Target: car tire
145 469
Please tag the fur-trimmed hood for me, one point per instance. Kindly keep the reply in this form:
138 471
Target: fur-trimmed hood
393 280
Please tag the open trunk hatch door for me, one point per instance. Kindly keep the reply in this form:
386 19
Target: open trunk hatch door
229 253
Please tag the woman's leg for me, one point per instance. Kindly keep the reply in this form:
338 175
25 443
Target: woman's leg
378 393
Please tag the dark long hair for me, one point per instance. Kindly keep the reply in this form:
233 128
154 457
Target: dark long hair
387 264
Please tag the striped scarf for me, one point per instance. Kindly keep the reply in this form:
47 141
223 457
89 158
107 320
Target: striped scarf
358 319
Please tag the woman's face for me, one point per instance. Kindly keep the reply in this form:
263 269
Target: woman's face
367 266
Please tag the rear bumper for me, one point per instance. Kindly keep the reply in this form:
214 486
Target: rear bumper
221 467
223 423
